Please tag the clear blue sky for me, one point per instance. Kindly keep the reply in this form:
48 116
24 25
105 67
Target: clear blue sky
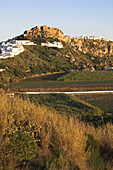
73 17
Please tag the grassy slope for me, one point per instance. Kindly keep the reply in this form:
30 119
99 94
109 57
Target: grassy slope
87 75
65 104
103 101
34 60
45 77
35 137
73 105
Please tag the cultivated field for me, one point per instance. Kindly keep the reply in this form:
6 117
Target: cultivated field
103 101
59 85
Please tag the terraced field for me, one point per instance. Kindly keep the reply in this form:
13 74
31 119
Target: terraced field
103 101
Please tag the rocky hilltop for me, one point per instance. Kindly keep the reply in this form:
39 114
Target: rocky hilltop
45 31
98 47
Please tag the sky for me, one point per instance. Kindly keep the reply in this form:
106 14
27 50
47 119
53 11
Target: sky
73 17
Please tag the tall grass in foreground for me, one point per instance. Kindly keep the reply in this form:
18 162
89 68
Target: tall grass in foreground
34 137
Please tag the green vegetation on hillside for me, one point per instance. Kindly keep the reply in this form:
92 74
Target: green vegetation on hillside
45 77
72 105
38 60
38 40
103 101
35 137
65 104
34 60
62 83
87 75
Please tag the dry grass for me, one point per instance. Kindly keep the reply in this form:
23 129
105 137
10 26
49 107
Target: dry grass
103 134
57 133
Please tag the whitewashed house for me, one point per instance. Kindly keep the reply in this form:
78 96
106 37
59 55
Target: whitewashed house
54 44
24 42
13 47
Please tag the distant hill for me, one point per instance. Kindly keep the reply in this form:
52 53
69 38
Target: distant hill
76 54
95 46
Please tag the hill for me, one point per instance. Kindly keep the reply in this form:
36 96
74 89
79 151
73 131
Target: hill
95 46
76 54
35 137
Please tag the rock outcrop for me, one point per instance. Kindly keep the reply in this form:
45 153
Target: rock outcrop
95 47
45 31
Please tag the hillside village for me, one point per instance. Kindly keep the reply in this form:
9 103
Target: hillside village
91 38
13 47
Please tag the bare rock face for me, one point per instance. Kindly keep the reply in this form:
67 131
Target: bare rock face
46 32
72 59
110 48
94 47
97 48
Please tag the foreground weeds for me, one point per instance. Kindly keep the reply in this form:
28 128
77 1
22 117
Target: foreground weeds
35 137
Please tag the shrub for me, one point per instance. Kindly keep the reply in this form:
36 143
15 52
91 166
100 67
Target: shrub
23 145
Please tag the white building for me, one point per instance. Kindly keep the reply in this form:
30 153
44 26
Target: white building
54 44
95 37
24 42
90 37
13 47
